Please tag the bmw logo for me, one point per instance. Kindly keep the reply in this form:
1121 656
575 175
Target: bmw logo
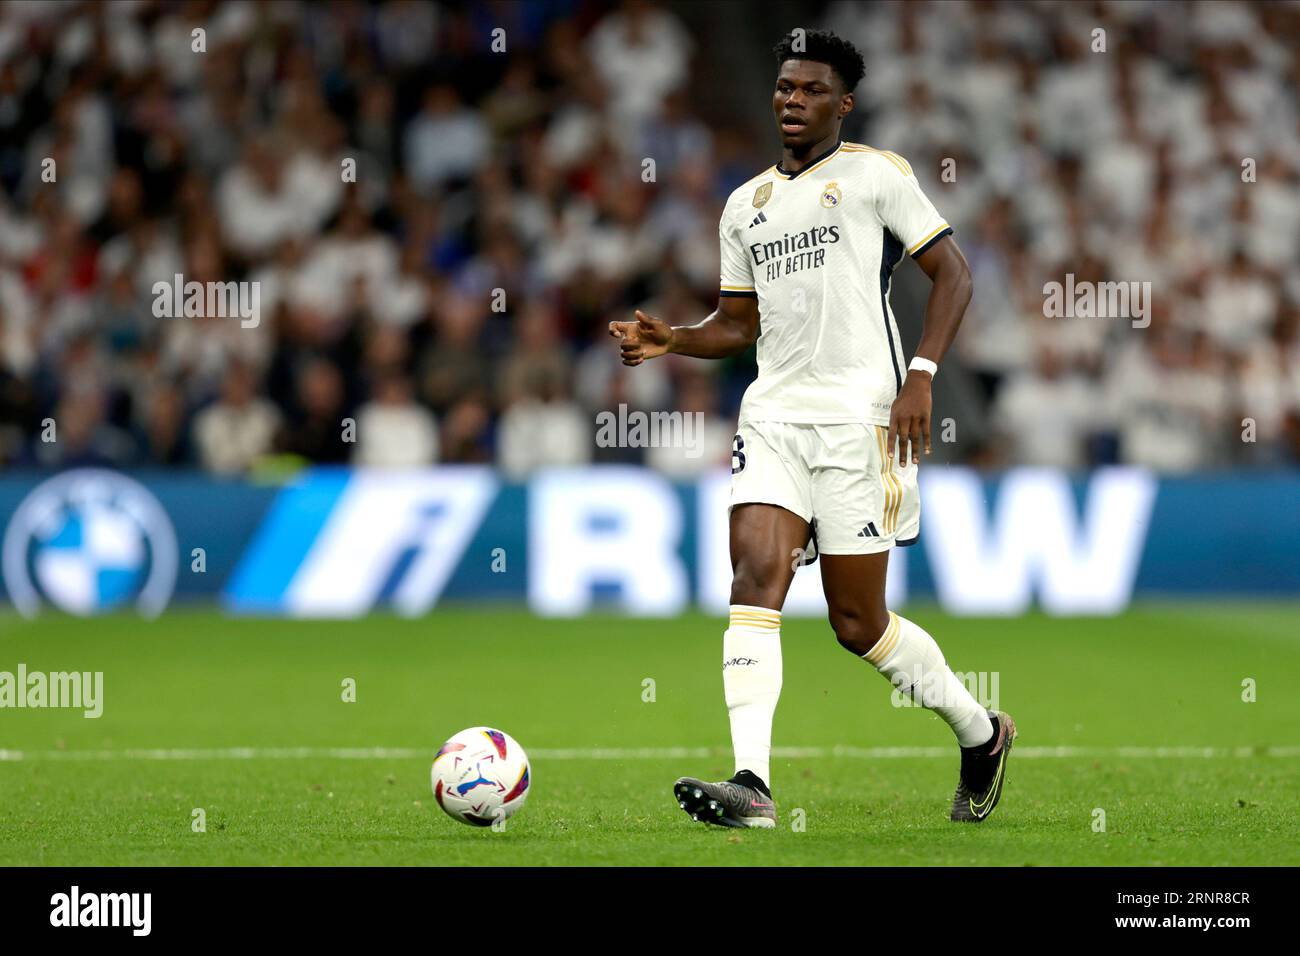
88 541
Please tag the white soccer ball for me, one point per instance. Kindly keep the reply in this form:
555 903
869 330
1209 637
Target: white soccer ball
480 776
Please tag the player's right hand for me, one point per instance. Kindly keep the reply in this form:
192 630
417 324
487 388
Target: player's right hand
646 338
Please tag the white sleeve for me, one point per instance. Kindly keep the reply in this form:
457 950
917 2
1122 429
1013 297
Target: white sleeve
904 209
737 277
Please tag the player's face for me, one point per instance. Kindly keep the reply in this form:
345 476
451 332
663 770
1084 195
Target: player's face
809 103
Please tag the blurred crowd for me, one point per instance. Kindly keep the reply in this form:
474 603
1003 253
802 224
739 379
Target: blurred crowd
1133 142
440 230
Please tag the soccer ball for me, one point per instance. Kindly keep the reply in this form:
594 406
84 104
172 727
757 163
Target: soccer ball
480 776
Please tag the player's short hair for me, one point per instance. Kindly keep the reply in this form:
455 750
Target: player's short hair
822 46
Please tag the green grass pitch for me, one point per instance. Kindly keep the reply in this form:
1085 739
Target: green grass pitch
244 718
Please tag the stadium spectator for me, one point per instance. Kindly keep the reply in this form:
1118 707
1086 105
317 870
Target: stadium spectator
544 428
393 430
236 430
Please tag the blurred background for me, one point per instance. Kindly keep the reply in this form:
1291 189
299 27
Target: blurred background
522 171
453 300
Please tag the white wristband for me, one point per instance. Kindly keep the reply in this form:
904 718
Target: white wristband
923 365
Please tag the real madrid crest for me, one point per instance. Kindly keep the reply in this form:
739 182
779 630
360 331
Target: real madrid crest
831 195
762 194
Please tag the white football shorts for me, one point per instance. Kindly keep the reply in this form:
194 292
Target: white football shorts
835 477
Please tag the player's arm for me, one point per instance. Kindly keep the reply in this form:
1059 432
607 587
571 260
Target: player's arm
909 419
732 328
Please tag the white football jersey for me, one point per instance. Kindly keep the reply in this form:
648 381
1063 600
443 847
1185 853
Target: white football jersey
817 247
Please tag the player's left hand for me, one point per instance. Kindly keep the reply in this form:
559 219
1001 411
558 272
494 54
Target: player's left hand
909 419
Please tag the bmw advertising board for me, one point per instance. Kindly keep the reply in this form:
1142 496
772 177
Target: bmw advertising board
88 541
339 542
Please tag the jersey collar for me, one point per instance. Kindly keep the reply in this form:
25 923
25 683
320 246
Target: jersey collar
814 162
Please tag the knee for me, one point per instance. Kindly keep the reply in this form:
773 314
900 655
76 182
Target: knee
758 583
858 630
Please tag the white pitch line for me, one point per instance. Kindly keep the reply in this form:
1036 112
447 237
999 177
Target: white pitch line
638 753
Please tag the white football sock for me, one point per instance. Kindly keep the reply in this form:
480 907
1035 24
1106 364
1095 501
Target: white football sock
751 681
913 663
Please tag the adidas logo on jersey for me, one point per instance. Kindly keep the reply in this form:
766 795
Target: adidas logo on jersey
869 531
761 217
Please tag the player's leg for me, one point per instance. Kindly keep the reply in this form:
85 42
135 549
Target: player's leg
769 526
901 650
763 538
865 505
910 659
